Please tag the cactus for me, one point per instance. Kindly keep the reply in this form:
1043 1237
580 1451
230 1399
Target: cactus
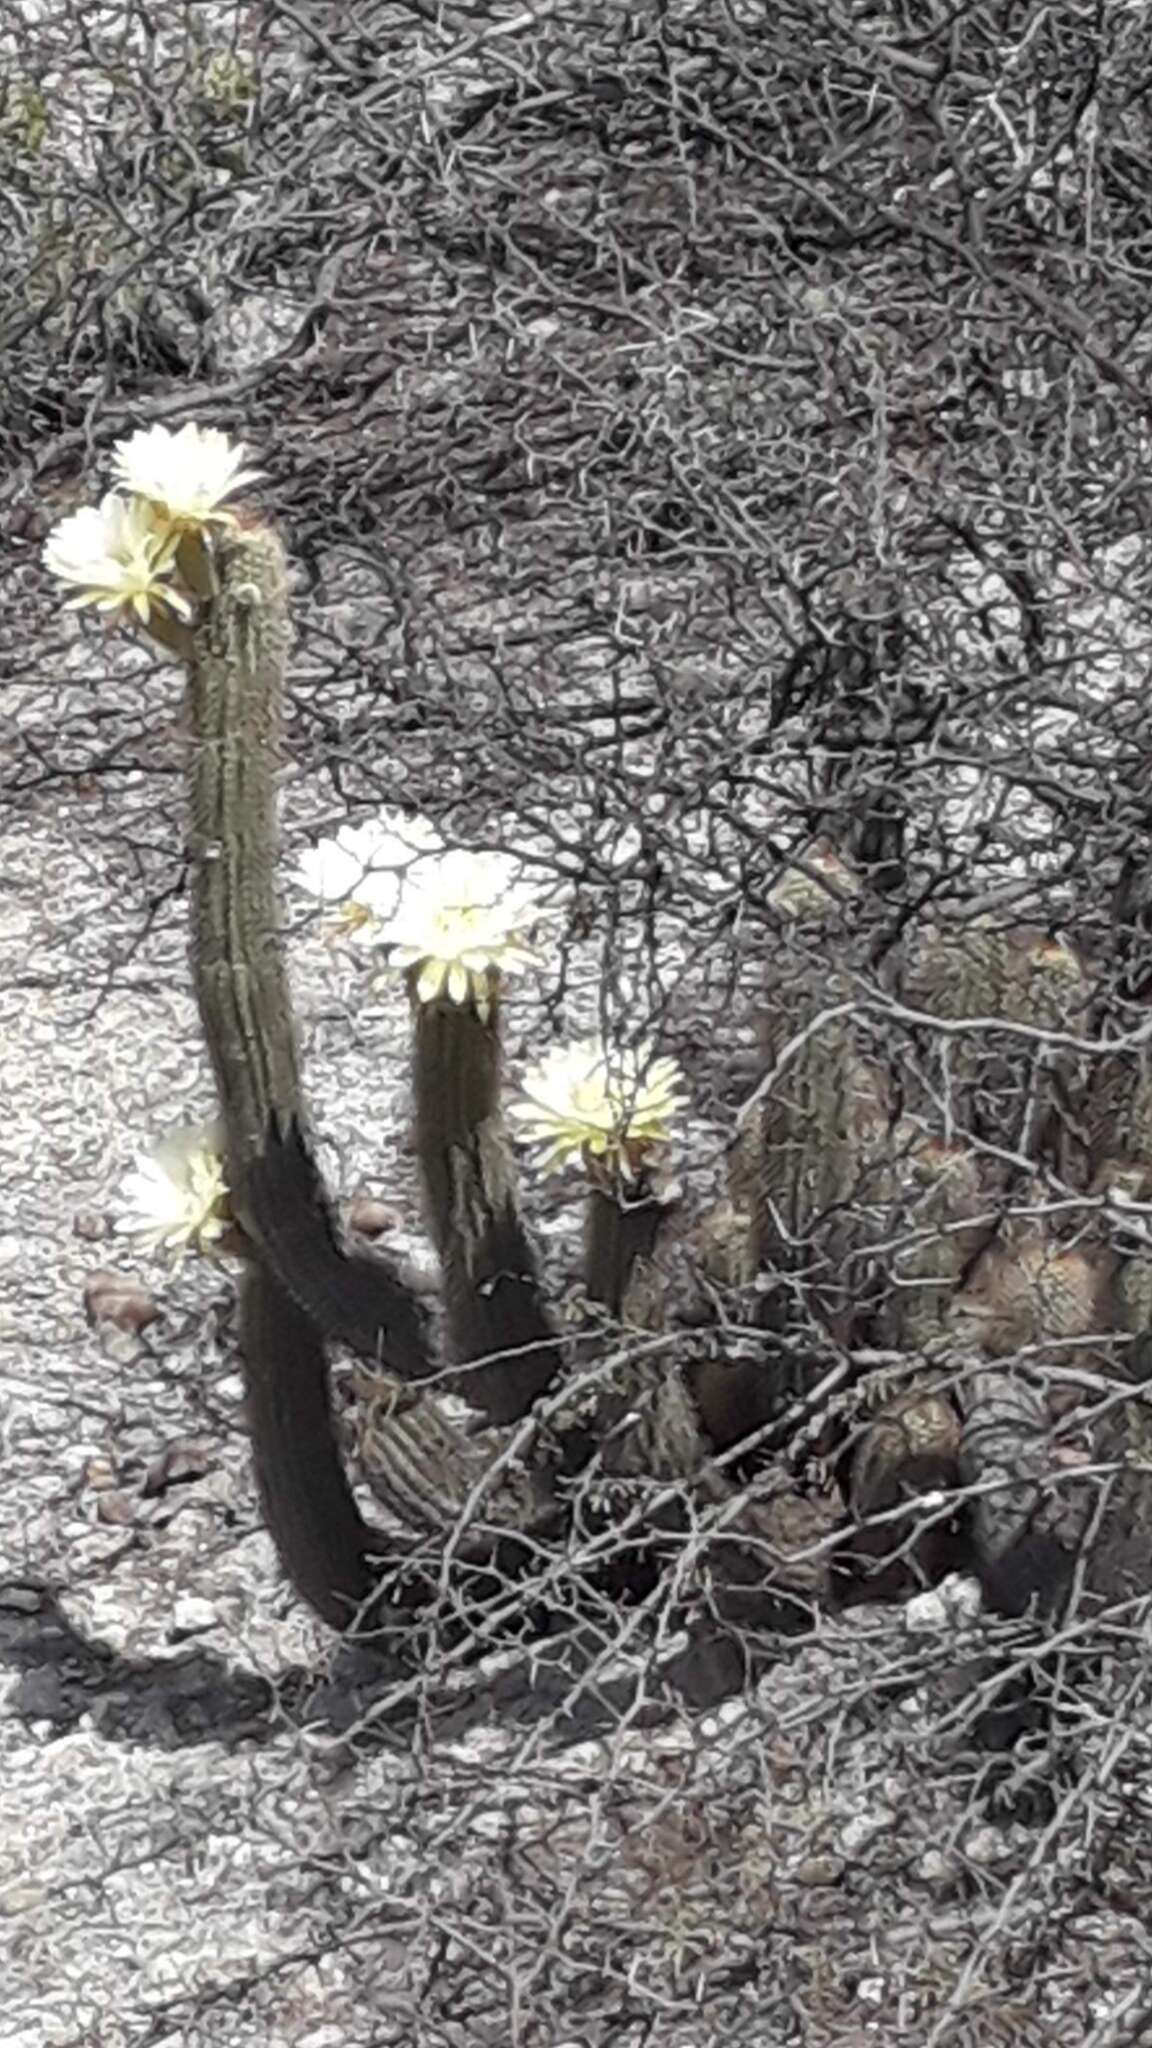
812 1162
235 686
312 1282
1027 1530
498 1327
915 1197
621 1228
324 1544
996 1089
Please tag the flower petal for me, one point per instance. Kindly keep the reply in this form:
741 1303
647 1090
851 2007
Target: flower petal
430 981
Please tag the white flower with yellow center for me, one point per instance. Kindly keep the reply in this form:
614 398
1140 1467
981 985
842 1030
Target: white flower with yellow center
176 1195
360 872
118 556
598 1102
187 475
461 919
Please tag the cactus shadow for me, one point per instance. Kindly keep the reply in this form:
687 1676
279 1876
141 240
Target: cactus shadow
367 1695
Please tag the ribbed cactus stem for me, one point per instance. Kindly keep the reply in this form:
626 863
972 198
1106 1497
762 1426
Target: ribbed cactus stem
622 1221
321 1538
497 1324
301 1286
236 686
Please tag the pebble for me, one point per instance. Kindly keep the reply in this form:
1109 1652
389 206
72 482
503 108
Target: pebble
985 1846
927 1614
370 1217
116 1298
954 1604
191 1616
92 1225
21 1898
819 1870
117 1508
178 1462
21 1599
864 1828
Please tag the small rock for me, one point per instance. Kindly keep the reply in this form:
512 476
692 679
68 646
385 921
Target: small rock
416 1264
21 1898
823 1904
98 1473
177 1464
231 1387
984 1847
92 1225
725 1715
41 1696
190 1617
98 1546
819 1870
954 1604
934 1868
965 1596
864 1828
370 1217
927 1614
117 1508
116 1298
22 1599
121 1347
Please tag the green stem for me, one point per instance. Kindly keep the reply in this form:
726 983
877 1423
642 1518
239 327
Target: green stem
497 1323
236 685
321 1538
621 1226
302 1286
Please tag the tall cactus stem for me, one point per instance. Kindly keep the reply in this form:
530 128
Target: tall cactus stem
301 1286
497 1324
321 1538
621 1226
236 685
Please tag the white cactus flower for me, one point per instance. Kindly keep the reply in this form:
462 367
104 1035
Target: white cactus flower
360 871
461 919
118 556
598 1102
186 475
176 1195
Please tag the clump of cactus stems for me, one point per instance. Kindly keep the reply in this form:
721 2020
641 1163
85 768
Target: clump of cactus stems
814 1176
166 553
